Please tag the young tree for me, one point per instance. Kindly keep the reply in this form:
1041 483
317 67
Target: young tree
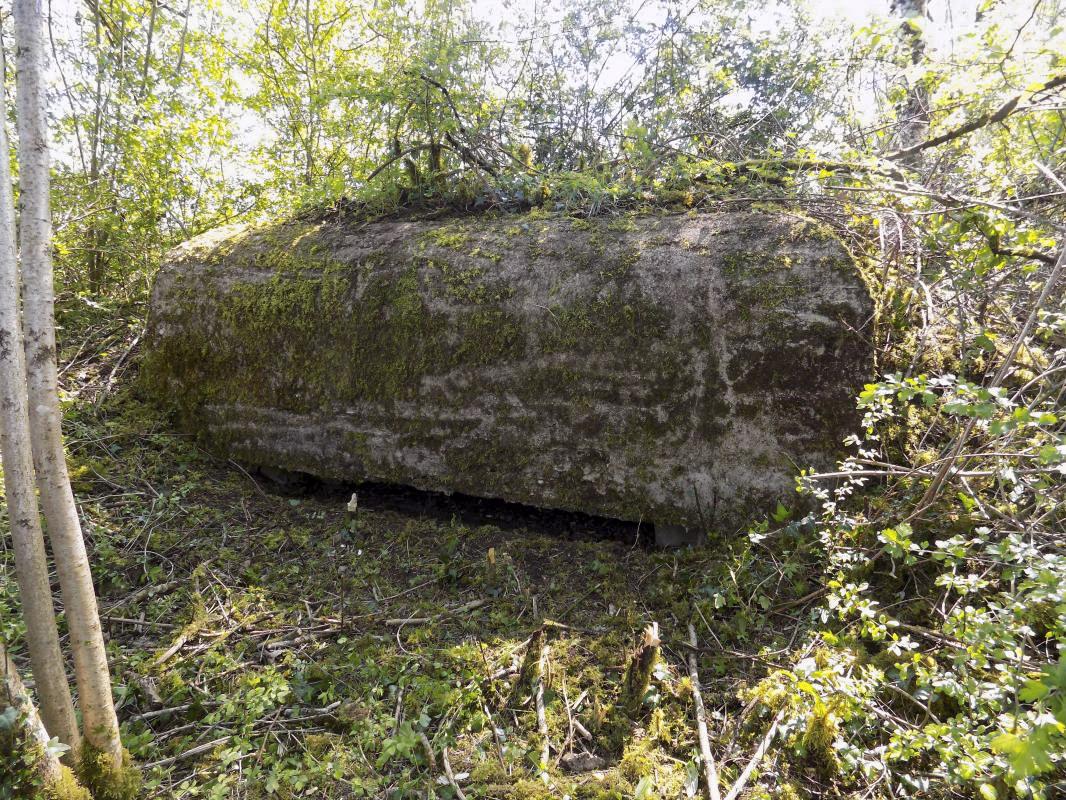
914 111
30 564
29 738
141 99
64 527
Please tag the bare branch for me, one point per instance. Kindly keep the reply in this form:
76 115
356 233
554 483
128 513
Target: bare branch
984 120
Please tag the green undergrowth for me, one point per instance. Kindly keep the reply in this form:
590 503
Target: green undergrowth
271 661
104 780
600 191
21 759
906 641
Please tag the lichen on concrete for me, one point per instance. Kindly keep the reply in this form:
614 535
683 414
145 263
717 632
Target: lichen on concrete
675 369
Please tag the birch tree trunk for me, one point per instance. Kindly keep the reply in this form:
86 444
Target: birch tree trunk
31 565
100 725
914 111
12 693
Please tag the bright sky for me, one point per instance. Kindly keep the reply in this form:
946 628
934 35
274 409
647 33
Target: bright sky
945 14
946 17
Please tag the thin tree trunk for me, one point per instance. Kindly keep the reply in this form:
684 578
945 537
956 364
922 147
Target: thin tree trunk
100 724
148 51
914 125
95 234
54 775
31 565
13 694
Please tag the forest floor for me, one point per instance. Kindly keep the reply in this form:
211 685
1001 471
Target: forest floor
265 645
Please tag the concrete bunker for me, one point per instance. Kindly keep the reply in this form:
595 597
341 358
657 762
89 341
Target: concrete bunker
673 368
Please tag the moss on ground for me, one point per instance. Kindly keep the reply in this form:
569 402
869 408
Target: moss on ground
21 762
68 787
324 649
105 781
292 669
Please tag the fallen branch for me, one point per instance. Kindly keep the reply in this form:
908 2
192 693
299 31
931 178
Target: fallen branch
147 623
451 775
495 736
756 757
448 613
154 589
503 673
569 726
114 372
192 751
582 731
710 773
162 711
538 699
529 672
183 637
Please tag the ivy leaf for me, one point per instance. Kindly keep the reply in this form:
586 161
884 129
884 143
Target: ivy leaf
8 717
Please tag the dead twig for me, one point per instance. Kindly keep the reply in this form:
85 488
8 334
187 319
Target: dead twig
802 600
401 621
183 637
193 751
569 725
160 712
118 365
756 757
542 718
138 622
398 713
451 775
495 737
710 772
582 731
155 589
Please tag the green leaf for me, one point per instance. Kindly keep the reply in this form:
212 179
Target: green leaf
1028 755
781 513
644 788
1033 691
7 718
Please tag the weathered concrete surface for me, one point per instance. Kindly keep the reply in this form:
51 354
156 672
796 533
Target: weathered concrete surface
674 369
